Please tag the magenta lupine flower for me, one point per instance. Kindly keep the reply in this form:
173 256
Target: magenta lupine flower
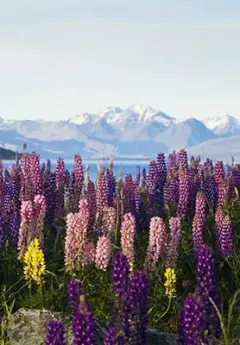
36 174
219 172
101 196
226 237
128 230
114 337
74 293
221 193
191 327
128 188
91 197
219 221
183 194
175 233
200 208
197 229
109 221
103 252
89 253
60 187
78 178
183 160
83 325
158 242
207 288
55 334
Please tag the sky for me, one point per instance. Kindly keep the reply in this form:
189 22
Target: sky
59 58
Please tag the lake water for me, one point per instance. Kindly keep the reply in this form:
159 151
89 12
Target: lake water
120 167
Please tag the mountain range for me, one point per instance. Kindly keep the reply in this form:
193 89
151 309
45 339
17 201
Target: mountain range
138 131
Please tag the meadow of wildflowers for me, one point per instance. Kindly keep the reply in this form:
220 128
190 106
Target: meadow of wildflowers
159 250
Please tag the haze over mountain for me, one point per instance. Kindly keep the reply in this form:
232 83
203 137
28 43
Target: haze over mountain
138 131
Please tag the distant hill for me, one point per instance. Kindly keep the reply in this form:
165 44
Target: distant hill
6 154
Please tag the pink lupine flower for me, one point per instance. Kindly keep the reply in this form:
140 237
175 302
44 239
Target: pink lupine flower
71 247
89 254
197 229
101 193
175 233
200 208
39 205
128 230
158 242
109 220
183 193
36 174
103 252
26 227
76 237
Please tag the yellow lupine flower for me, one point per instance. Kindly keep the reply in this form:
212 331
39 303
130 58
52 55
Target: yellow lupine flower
170 283
34 263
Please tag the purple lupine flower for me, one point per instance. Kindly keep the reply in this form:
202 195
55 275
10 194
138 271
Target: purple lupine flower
120 274
138 175
183 194
50 189
111 186
152 183
183 160
55 334
171 188
14 223
209 186
207 288
197 229
161 168
231 185
221 193
139 208
74 293
1 231
120 279
78 179
144 178
226 238
60 187
137 308
128 188
91 197
200 208
114 337
175 232
191 326
219 172
83 324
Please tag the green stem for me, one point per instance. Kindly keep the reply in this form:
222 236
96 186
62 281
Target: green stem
225 337
167 310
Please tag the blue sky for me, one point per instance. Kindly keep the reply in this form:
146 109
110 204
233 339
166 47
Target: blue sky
59 58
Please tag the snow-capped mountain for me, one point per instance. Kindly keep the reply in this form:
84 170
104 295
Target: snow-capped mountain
223 126
139 131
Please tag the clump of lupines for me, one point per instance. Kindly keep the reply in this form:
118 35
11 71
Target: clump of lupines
103 252
128 231
55 334
191 326
158 242
175 233
207 288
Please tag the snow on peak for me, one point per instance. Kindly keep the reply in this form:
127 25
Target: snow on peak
81 119
221 124
110 110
